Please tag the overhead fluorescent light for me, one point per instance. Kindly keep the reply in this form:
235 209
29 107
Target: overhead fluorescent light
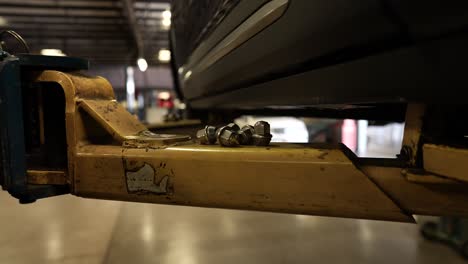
166 19
52 52
3 22
166 23
166 14
142 64
130 88
164 55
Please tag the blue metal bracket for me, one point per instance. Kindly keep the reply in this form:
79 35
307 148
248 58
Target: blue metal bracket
13 165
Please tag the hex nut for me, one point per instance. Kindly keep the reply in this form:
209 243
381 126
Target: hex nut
262 136
233 127
259 140
227 137
262 128
207 136
245 135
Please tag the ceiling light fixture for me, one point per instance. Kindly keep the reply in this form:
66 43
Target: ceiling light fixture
166 14
52 52
166 19
166 23
164 55
142 64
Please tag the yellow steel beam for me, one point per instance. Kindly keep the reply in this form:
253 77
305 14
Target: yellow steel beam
420 198
117 121
141 166
47 177
281 178
447 161
413 126
428 179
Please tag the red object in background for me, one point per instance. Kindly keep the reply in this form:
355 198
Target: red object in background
165 100
165 103
349 134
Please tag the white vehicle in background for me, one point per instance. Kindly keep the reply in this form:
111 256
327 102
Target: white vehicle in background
283 129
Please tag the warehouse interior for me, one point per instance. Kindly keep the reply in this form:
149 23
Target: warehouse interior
127 42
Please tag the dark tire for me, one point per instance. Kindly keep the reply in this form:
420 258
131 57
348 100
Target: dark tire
429 230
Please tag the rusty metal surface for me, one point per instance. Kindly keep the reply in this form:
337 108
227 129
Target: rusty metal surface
447 161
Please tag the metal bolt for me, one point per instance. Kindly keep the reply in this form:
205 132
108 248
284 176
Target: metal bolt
228 137
262 136
233 127
245 135
207 136
262 128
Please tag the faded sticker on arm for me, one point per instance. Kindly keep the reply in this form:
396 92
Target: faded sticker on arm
146 179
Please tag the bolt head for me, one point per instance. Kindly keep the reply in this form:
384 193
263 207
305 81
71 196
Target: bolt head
228 138
233 127
245 135
207 135
259 140
262 136
201 136
262 128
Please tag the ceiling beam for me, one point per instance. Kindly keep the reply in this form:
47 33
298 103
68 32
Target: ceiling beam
149 14
92 43
152 6
131 19
76 41
12 20
73 34
89 49
42 19
103 31
67 27
65 12
55 3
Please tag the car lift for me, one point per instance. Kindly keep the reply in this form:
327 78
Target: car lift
107 153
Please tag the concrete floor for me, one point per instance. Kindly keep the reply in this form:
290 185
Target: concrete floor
70 230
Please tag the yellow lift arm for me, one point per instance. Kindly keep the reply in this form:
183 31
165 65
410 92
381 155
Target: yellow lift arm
111 155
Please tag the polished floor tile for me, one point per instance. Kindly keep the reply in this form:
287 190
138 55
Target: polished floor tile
165 234
71 230
63 229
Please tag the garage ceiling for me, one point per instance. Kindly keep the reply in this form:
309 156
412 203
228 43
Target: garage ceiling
104 31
